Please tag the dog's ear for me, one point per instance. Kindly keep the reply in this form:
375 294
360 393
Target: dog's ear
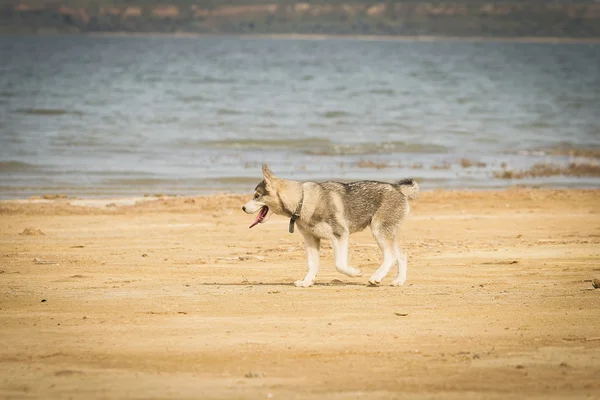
268 174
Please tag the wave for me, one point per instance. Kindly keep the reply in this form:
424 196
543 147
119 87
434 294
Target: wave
211 79
317 146
192 99
17 166
139 181
70 140
228 111
535 125
47 111
564 149
169 183
335 114
389 92
233 180
265 144
378 148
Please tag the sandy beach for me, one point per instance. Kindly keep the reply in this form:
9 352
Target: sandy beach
174 297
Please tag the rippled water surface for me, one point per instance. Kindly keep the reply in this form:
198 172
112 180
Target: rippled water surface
98 116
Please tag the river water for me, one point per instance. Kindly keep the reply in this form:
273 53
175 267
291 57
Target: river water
123 116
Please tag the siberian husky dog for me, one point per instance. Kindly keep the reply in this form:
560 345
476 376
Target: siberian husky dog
334 210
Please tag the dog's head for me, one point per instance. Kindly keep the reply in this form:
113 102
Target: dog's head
266 200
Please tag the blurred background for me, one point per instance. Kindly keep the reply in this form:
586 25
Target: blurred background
126 98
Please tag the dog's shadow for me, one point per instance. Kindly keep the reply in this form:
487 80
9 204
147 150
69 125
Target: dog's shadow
335 282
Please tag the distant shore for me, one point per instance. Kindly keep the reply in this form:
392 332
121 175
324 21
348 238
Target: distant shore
461 18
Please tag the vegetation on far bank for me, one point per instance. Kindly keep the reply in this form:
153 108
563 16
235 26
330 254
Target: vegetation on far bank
506 18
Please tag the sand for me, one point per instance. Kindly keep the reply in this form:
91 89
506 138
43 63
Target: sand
176 298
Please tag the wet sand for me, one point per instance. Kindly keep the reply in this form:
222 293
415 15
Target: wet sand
176 298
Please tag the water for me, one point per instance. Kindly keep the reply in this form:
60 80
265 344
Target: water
117 116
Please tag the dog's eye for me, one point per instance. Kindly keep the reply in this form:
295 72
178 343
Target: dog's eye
256 195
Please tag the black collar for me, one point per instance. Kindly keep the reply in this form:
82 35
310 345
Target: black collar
296 213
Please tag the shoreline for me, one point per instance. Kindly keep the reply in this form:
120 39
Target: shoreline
373 38
117 204
323 37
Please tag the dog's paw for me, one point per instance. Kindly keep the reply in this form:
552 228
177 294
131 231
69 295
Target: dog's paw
398 282
375 279
302 283
374 282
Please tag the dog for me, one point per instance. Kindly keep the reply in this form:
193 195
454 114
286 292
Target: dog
334 210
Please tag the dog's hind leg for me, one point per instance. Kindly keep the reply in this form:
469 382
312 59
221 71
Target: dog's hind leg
402 267
386 239
313 245
340 248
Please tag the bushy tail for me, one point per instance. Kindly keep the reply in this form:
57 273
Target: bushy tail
409 188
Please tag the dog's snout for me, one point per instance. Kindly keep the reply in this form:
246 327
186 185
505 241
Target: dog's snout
244 208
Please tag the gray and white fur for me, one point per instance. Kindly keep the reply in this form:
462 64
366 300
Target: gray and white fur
334 210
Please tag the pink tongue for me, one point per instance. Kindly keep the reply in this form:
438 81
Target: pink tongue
256 222
259 218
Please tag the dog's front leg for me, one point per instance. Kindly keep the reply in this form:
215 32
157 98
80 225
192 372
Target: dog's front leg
340 248
313 245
